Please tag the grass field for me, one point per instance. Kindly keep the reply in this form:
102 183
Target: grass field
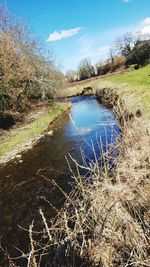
134 85
137 85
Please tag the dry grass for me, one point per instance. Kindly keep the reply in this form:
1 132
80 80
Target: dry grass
105 220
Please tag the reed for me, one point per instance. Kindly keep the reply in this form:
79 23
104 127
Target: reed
105 219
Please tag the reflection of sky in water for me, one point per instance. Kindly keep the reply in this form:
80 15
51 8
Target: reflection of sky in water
21 188
89 122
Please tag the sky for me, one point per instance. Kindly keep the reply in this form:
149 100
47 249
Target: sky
79 29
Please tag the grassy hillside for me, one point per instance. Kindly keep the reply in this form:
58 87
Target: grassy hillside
134 78
135 84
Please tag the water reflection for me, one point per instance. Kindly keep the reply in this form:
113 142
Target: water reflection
23 188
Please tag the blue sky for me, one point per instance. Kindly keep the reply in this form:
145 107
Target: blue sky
77 29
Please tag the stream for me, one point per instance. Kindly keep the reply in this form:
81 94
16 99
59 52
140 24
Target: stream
25 184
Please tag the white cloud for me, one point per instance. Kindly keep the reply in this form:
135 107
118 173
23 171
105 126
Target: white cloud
143 30
95 55
58 35
91 47
146 21
83 37
101 51
126 1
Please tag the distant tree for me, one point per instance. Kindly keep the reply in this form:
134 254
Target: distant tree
134 47
112 58
125 44
71 76
104 67
86 70
141 53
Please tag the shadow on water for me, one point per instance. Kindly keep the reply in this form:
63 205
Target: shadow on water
23 191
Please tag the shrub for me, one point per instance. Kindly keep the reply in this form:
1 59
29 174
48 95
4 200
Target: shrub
141 53
105 219
71 76
23 69
136 49
86 70
118 62
104 69
134 66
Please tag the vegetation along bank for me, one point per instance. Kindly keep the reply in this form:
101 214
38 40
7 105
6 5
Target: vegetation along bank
105 219
29 81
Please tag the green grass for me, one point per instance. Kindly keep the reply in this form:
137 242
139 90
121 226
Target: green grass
135 84
30 131
134 78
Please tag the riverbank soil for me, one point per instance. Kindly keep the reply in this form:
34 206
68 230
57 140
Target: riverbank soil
22 136
106 220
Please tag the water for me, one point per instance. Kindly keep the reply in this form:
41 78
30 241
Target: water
24 186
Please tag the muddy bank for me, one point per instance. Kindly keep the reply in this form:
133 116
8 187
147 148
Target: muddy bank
32 131
105 221
23 187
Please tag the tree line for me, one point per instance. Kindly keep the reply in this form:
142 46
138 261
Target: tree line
130 50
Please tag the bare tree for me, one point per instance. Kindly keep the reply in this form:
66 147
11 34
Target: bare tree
125 44
71 76
134 47
23 68
86 70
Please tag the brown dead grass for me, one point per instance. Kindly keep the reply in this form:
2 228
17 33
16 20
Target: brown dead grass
105 221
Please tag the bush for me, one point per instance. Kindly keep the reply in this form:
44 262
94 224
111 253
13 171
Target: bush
23 69
134 66
136 49
86 70
141 53
71 76
104 69
118 62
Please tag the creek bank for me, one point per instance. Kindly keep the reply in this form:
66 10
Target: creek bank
105 220
49 156
26 136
